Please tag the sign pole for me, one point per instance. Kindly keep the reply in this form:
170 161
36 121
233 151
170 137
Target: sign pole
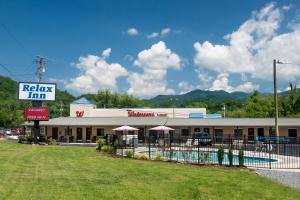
36 130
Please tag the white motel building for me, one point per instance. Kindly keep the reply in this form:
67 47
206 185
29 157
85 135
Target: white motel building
87 123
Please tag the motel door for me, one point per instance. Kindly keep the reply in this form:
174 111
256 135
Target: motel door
88 134
141 135
54 133
251 134
79 135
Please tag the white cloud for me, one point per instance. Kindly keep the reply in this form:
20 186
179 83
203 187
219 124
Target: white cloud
165 31
185 87
253 46
162 33
54 80
106 53
153 35
128 57
96 74
132 31
222 83
204 78
155 62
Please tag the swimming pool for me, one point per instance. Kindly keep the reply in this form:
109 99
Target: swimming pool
209 157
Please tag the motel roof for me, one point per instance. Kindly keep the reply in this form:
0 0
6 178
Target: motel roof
156 121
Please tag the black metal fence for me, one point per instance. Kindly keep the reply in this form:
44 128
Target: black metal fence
264 152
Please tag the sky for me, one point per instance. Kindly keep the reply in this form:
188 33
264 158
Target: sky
147 48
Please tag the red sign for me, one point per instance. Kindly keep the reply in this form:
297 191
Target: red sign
145 114
79 113
32 114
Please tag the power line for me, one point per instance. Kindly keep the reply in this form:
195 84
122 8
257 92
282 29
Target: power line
15 39
10 73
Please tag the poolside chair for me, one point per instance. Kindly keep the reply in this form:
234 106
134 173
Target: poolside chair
189 142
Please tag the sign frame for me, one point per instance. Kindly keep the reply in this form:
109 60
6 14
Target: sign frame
38 84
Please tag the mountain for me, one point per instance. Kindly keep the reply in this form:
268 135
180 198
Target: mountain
219 96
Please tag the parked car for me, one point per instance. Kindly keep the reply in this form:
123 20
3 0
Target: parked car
203 138
7 132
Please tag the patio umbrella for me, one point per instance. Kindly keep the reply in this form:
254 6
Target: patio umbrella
161 128
125 128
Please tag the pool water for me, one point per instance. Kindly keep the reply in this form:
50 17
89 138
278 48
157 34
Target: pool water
209 157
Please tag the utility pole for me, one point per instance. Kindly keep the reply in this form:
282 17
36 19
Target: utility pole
224 109
41 61
275 99
61 109
173 106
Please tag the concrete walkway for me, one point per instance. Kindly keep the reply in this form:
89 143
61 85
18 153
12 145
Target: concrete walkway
288 177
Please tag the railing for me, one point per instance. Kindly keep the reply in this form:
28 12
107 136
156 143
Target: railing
267 152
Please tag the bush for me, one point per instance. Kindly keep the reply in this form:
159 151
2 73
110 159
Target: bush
108 149
241 157
51 141
158 156
220 155
21 139
128 153
230 156
29 139
142 156
100 144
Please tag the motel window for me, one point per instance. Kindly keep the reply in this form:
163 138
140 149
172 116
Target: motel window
219 134
68 131
197 130
42 131
260 132
238 133
206 130
292 132
100 132
272 132
185 132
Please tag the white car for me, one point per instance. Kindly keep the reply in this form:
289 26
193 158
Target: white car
7 132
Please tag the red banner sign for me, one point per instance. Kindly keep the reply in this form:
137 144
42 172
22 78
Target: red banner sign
40 114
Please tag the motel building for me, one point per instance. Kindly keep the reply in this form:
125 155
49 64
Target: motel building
87 123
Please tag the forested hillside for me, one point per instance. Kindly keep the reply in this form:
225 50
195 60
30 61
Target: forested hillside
238 104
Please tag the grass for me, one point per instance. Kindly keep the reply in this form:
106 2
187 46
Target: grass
55 172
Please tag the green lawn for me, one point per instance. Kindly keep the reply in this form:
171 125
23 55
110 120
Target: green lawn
54 172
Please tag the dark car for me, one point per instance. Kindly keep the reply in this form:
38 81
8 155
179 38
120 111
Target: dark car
203 138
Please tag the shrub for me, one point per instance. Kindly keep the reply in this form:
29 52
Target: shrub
108 149
158 156
220 155
241 157
128 153
21 139
100 144
230 156
29 139
115 146
142 156
51 141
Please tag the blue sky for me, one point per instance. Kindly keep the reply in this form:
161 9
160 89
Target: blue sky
152 47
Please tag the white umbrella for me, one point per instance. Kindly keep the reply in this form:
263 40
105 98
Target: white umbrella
161 128
125 128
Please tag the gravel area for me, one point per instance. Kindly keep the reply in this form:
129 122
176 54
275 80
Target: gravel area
289 178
